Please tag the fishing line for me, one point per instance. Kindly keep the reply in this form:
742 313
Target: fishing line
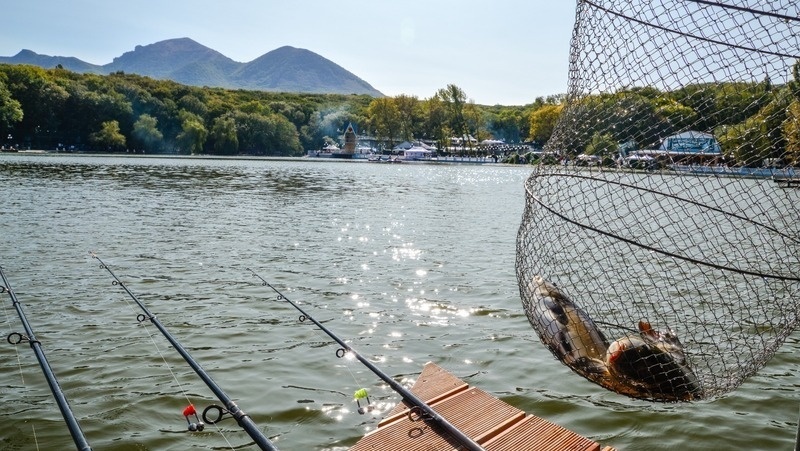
19 368
231 408
29 337
16 350
419 409
349 370
189 410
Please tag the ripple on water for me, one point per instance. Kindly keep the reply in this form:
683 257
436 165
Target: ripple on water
407 264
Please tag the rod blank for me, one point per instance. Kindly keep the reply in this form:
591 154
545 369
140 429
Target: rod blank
63 405
427 411
244 420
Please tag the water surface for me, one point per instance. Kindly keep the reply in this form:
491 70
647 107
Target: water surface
409 263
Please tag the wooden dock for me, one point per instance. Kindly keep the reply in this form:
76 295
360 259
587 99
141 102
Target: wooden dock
493 424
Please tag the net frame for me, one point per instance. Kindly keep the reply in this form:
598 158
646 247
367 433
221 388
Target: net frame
636 226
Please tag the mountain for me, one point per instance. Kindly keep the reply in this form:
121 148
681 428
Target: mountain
69 63
299 70
185 61
182 60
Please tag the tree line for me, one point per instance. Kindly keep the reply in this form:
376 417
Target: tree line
58 109
753 122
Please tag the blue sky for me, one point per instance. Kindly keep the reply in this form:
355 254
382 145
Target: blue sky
500 52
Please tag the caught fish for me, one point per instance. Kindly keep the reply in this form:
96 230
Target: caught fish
666 341
567 330
649 365
642 367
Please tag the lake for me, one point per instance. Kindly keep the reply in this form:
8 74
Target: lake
409 263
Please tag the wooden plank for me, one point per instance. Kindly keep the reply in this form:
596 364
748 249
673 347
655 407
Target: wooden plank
493 424
401 410
434 381
537 434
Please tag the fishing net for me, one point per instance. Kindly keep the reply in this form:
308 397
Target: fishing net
658 250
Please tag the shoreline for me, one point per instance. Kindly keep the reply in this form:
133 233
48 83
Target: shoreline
451 160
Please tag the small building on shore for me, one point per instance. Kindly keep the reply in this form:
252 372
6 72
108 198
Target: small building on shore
689 147
691 143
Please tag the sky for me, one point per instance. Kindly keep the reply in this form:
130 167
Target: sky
506 52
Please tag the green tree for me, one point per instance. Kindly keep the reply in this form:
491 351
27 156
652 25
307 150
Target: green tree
473 120
743 142
223 134
791 125
192 137
145 130
108 137
290 111
384 117
679 116
285 138
543 122
791 130
510 124
42 100
629 115
408 112
193 104
434 122
762 135
270 134
10 109
602 145
455 99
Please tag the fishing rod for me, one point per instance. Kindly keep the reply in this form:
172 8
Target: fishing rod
244 420
61 399
419 407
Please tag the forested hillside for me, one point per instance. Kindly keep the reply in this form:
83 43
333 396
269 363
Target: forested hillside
49 109
56 108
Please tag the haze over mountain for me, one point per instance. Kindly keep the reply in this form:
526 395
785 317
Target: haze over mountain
286 69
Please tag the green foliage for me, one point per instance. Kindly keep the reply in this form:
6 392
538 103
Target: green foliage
269 134
45 107
10 109
193 134
791 129
224 136
434 122
474 121
384 119
42 108
510 124
637 109
454 99
109 136
602 145
543 122
761 136
409 116
59 106
146 132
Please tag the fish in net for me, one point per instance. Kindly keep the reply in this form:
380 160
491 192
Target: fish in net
658 250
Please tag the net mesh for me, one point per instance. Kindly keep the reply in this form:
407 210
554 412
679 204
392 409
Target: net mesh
658 250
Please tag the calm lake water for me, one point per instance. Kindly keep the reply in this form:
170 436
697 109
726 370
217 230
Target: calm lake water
409 263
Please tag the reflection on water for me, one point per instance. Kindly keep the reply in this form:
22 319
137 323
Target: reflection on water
409 263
